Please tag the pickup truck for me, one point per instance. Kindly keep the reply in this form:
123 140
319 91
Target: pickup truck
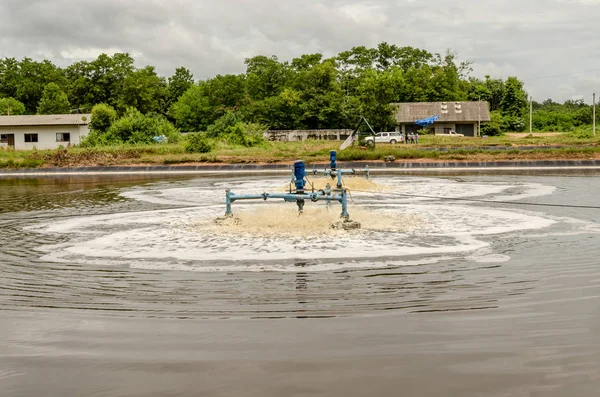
385 137
451 133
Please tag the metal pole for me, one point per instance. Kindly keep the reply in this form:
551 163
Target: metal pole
594 114
479 118
531 115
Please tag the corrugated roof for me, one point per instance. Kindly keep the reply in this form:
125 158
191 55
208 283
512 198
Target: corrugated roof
45 119
408 112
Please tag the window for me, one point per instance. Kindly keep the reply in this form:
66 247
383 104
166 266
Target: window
447 130
63 137
31 138
3 138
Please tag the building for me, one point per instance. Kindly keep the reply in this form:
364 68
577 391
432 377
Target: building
462 117
43 131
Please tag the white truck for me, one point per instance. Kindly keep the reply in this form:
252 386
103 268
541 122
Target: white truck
451 133
385 137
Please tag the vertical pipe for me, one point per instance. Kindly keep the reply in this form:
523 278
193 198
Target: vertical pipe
339 181
227 202
345 214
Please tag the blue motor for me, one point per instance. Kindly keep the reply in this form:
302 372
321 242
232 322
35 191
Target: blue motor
299 174
332 160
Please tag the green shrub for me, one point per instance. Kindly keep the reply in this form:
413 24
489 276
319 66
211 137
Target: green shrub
513 123
197 143
581 133
103 116
135 128
222 125
244 134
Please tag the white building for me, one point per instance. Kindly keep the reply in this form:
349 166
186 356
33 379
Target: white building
43 131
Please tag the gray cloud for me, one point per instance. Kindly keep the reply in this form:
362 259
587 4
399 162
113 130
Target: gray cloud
551 45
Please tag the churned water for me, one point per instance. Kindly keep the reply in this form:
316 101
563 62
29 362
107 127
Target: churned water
473 285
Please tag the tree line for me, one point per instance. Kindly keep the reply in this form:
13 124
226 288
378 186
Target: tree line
308 92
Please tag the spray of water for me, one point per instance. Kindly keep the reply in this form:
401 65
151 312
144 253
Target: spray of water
350 183
283 220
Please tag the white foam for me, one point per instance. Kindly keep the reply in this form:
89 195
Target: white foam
396 229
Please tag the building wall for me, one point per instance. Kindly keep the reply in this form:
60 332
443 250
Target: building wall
437 127
303 135
46 136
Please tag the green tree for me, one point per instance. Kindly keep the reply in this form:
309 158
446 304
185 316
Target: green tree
54 101
144 90
10 77
514 101
103 116
179 83
99 81
10 106
377 91
265 77
193 112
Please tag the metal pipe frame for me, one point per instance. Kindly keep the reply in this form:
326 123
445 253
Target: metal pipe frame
334 173
299 198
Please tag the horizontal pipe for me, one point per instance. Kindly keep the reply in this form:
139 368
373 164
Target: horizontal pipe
286 196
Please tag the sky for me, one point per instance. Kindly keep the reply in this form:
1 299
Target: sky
553 46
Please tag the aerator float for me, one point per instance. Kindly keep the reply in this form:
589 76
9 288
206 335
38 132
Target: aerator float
299 193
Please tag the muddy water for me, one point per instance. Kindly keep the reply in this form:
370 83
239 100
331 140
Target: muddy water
112 287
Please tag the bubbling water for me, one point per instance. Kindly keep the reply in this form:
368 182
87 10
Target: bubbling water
349 182
402 223
284 220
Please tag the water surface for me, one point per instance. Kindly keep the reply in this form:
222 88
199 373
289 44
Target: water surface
116 287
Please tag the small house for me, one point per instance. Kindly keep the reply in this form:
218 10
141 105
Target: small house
461 117
43 131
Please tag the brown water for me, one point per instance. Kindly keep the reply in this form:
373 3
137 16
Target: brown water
125 288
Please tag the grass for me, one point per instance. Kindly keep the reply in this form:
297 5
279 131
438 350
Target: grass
430 148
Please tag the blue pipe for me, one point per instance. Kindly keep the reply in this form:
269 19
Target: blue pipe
344 202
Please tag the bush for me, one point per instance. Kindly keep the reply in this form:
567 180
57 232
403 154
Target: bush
493 127
513 123
222 125
245 134
135 128
582 133
197 143
103 116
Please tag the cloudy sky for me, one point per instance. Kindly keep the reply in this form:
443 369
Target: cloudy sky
552 45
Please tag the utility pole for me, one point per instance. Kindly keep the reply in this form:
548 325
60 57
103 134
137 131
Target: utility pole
530 115
594 114
479 117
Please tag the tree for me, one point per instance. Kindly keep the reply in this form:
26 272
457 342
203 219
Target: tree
103 116
514 100
144 90
265 77
193 111
179 83
99 81
54 101
10 77
10 106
